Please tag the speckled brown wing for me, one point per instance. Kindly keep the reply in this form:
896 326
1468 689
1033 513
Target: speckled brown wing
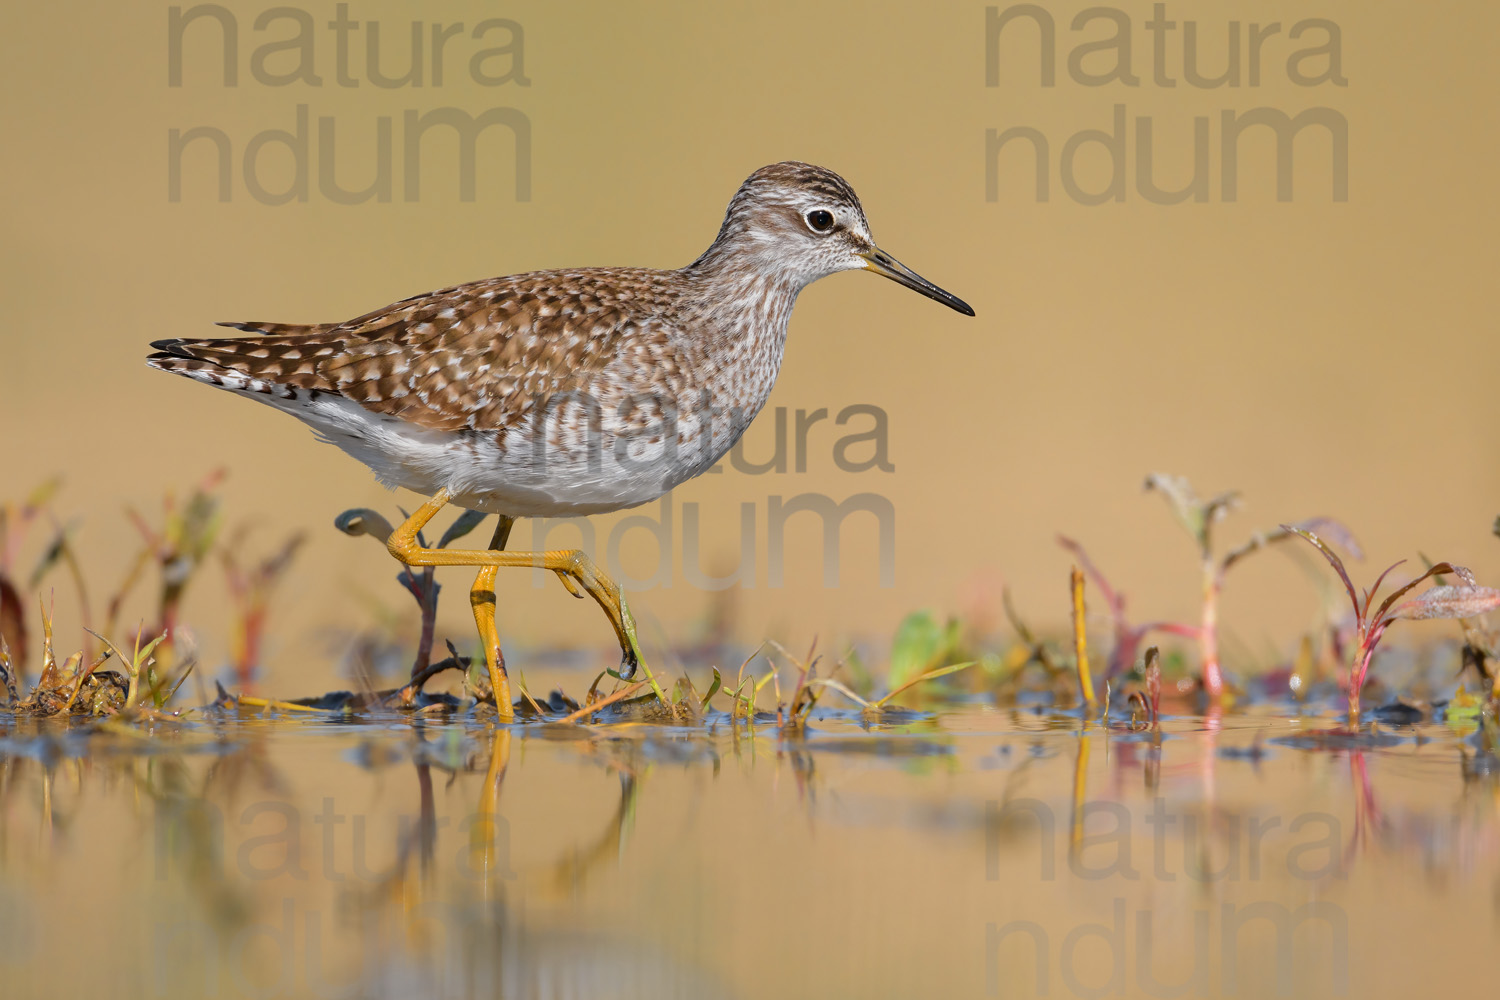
282 329
475 356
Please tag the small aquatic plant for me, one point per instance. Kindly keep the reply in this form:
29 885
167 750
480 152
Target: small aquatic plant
1482 648
178 548
1198 517
250 589
1081 642
1150 699
1464 600
61 551
880 704
922 643
177 544
1031 649
423 585
792 716
77 686
16 519
141 667
740 701
1153 683
1128 637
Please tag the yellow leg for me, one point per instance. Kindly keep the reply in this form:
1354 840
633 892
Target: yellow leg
482 599
575 569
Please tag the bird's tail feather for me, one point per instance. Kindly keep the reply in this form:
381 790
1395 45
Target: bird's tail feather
291 361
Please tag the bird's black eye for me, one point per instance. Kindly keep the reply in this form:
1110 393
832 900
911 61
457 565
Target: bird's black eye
821 220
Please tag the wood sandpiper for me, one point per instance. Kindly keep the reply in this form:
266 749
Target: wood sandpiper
560 393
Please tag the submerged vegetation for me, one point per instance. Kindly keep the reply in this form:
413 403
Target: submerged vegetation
139 676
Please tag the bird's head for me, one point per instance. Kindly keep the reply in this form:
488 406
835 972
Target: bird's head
799 222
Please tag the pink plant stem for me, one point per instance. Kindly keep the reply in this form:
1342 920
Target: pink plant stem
255 624
166 652
1358 673
1208 637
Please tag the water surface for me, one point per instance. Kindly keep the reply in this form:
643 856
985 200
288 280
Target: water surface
973 852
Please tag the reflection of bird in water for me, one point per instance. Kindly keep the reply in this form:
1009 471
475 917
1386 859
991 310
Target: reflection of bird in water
480 940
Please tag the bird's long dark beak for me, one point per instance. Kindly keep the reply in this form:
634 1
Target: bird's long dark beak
880 262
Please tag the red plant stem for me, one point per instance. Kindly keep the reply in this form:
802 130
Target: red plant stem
255 624
166 652
1208 635
1369 636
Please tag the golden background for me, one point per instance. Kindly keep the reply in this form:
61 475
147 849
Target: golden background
1324 358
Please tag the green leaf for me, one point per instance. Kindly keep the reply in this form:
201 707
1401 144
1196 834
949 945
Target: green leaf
43 494
1463 708
930 675
920 642
713 688
842 689
132 663
173 693
199 525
